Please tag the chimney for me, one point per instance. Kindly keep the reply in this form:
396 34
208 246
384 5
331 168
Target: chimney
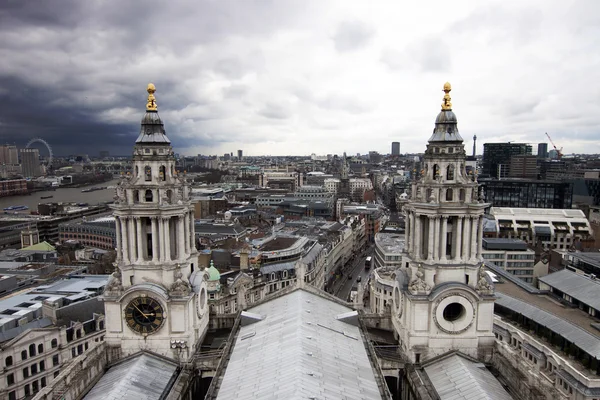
244 264
204 260
300 274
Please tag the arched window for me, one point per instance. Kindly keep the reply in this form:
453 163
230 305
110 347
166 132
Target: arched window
449 194
40 348
462 195
436 171
450 173
54 343
136 196
137 171
162 173
428 193
24 355
31 350
148 173
8 361
170 195
148 195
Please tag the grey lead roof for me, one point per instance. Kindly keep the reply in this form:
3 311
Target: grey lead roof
571 332
152 130
575 285
299 351
446 129
144 377
456 378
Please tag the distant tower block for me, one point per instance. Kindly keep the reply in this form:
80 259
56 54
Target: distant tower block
395 148
240 155
474 144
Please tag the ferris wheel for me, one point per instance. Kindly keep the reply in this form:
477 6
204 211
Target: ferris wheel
42 141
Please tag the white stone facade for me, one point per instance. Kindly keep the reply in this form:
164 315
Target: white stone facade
381 288
32 360
442 300
156 254
517 262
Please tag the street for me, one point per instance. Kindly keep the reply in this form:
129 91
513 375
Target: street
342 288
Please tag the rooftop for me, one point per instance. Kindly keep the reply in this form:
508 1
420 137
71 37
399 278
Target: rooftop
142 377
577 286
300 347
455 377
545 303
536 212
390 242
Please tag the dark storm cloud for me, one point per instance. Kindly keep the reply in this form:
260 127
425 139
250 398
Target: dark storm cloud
352 35
74 72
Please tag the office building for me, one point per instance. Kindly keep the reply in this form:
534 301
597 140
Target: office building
240 155
523 166
521 193
542 150
30 162
395 148
8 154
497 157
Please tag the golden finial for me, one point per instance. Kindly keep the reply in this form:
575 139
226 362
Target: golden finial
151 105
447 105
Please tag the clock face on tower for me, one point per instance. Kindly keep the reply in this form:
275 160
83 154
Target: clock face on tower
144 315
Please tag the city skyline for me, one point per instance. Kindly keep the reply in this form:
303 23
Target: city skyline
296 77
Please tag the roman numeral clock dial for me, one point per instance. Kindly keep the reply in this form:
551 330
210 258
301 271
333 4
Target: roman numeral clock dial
144 315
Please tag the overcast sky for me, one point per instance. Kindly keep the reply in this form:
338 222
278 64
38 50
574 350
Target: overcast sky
292 77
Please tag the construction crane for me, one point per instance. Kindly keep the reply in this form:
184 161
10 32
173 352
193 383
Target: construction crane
559 152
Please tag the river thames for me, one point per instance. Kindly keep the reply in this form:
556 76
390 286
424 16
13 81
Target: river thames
63 195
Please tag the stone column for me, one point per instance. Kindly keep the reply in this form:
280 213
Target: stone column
480 239
430 239
458 233
155 239
167 239
436 239
408 232
186 232
118 238
181 238
132 246
474 235
140 240
192 233
444 238
124 240
418 237
466 238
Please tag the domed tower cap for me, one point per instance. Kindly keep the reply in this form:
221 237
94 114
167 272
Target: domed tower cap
446 129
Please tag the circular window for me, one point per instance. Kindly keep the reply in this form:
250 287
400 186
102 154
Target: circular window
453 312
202 297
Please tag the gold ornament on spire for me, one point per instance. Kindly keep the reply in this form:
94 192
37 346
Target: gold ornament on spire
447 105
151 105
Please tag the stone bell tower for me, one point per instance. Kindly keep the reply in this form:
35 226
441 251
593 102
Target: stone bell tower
442 298
156 300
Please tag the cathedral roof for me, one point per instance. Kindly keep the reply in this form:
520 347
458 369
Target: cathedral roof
456 377
446 129
143 376
300 346
152 129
